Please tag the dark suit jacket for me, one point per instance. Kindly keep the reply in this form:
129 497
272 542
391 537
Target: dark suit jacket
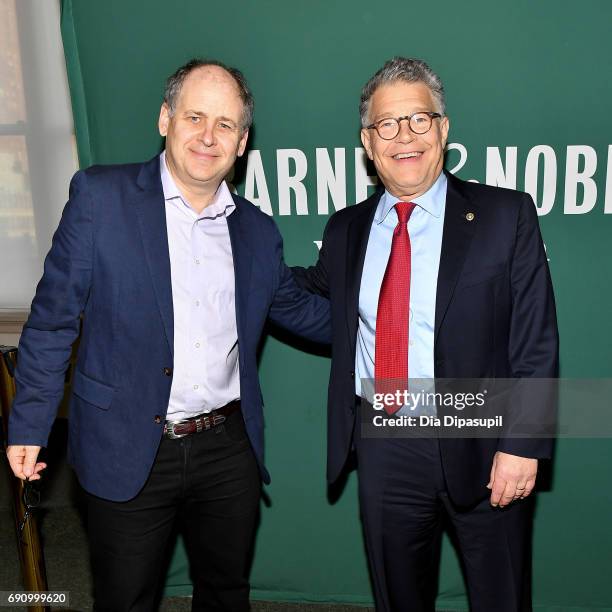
495 315
109 260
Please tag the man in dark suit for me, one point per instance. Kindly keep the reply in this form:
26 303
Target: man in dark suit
174 277
434 277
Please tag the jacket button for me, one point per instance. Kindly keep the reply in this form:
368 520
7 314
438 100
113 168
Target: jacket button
352 374
168 371
157 419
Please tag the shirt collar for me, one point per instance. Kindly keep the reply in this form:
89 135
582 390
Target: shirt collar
432 201
222 203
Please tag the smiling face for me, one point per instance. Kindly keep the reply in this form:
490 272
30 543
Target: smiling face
204 135
409 164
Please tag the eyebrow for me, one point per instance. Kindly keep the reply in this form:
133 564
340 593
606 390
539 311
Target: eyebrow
201 114
390 115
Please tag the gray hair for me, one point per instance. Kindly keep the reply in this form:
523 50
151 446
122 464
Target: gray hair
405 69
175 82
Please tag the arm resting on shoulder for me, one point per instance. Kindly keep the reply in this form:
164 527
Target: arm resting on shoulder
295 309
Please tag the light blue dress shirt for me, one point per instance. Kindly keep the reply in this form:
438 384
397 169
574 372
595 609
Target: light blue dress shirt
425 228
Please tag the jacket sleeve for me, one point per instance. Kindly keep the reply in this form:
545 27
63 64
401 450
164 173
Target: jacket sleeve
315 279
53 325
533 349
294 308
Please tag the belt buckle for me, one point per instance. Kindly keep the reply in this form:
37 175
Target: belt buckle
169 429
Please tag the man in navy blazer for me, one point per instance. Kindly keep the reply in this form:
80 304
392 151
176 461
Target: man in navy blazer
174 277
473 297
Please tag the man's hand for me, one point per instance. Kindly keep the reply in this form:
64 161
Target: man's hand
512 478
23 462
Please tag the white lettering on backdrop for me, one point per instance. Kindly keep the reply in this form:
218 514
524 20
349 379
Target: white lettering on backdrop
539 174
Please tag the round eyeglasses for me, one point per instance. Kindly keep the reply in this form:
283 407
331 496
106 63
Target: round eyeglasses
389 127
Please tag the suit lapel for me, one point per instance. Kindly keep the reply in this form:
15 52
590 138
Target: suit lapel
459 228
358 233
151 212
243 260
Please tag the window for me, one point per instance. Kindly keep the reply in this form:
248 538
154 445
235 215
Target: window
37 144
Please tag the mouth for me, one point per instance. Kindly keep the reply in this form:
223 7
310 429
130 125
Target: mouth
410 155
202 155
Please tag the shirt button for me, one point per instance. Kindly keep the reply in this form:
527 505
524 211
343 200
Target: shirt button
157 419
196 387
197 261
197 345
411 343
197 302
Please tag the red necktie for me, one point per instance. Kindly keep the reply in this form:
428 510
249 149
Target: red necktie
391 358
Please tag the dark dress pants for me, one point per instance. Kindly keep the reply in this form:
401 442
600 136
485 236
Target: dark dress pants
208 484
403 500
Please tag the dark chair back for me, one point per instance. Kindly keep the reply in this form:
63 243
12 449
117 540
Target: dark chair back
28 541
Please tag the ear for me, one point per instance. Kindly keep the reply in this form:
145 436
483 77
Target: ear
366 136
444 128
242 143
164 119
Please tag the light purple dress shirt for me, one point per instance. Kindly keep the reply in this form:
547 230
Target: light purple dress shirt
206 374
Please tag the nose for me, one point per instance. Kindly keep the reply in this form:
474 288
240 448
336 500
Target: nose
405 134
207 134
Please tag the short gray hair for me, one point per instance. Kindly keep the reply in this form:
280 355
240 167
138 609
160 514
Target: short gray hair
405 69
175 82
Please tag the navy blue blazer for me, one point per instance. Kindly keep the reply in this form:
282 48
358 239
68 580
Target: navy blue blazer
109 262
495 316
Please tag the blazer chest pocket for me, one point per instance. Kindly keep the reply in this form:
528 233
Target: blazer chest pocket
92 391
484 274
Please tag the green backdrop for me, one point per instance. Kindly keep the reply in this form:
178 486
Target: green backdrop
529 99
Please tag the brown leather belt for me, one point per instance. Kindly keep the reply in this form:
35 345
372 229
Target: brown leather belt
201 422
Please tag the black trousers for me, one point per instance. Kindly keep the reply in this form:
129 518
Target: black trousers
207 484
403 501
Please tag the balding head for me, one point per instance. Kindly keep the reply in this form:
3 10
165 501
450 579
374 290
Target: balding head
216 71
